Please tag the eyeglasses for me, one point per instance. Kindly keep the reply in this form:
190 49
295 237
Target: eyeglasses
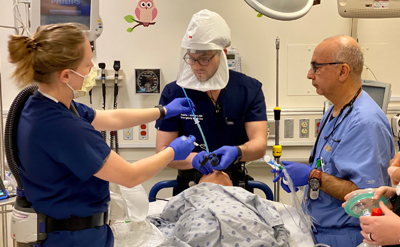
202 61
315 65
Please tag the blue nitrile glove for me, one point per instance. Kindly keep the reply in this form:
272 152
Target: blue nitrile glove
227 155
182 146
178 106
298 172
196 163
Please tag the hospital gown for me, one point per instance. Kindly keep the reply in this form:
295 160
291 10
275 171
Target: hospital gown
213 215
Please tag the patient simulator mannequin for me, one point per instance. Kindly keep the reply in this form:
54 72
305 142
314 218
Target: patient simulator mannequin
217 177
215 213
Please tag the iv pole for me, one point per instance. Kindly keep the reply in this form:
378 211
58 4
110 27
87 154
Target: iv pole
277 149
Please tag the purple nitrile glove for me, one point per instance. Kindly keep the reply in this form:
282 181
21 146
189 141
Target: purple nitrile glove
298 172
196 163
178 106
227 155
182 146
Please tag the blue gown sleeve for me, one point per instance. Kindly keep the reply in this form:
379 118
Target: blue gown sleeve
364 153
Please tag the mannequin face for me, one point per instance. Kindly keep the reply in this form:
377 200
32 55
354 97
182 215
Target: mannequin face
217 177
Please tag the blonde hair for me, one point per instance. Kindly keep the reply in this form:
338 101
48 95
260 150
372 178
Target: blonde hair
51 49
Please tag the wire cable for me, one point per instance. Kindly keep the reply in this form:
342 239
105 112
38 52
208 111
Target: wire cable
366 66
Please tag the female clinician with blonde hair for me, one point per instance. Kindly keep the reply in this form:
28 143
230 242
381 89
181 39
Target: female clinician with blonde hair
66 166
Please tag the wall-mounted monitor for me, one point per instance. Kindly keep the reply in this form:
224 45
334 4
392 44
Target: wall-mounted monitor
369 8
379 91
86 12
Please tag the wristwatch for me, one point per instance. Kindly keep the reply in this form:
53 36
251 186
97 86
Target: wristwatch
315 181
239 155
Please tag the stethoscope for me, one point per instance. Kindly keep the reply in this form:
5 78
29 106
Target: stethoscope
335 125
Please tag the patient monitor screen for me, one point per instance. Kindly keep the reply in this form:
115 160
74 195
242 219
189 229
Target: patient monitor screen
376 93
62 11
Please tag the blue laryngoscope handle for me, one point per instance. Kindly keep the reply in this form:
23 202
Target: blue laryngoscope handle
197 123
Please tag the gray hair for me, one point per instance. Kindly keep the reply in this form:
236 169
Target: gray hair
349 53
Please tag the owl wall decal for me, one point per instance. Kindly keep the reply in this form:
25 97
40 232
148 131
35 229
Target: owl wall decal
145 13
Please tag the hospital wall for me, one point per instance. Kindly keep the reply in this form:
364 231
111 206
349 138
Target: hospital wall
158 46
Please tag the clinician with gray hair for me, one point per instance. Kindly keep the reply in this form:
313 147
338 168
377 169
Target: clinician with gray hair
353 147
230 106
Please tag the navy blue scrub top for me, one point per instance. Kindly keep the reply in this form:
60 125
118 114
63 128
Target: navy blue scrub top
241 101
60 152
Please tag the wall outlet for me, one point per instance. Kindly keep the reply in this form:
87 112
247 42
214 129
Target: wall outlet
304 128
143 132
128 134
288 128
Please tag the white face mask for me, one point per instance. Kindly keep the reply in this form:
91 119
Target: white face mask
87 85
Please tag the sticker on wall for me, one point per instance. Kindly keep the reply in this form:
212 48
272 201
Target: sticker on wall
145 13
147 81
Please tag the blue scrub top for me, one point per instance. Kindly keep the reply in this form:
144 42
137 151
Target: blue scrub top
60 152
241 101
362 156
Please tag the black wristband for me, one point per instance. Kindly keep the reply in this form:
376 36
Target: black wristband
162 112
239 155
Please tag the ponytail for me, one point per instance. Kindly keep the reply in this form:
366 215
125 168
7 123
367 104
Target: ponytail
22 51
51 49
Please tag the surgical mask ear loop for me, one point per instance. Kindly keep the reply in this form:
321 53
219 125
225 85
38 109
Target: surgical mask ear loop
196 121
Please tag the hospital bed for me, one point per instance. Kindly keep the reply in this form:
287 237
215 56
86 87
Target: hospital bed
173 183
288 214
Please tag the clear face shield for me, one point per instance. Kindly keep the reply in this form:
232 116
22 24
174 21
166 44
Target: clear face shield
207 32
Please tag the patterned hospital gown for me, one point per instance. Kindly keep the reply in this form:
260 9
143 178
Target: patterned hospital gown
213 215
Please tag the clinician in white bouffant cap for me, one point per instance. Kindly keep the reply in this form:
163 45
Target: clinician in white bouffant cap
230 106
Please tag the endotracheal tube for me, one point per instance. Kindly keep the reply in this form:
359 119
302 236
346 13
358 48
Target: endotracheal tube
196 121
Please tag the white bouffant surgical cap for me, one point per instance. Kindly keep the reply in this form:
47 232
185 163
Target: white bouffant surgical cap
207 30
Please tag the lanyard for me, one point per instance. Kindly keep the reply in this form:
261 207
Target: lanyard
335 126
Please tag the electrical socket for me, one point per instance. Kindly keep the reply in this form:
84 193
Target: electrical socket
128 134
288 128
304 128
143 132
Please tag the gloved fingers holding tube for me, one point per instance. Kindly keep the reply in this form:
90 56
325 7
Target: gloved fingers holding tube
197 163
227 155
179 106
182 146
298 172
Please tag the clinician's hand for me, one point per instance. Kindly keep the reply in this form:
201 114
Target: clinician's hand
384 229
178 106
393 170
182 146
227 155
196 163
385 191
298 172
